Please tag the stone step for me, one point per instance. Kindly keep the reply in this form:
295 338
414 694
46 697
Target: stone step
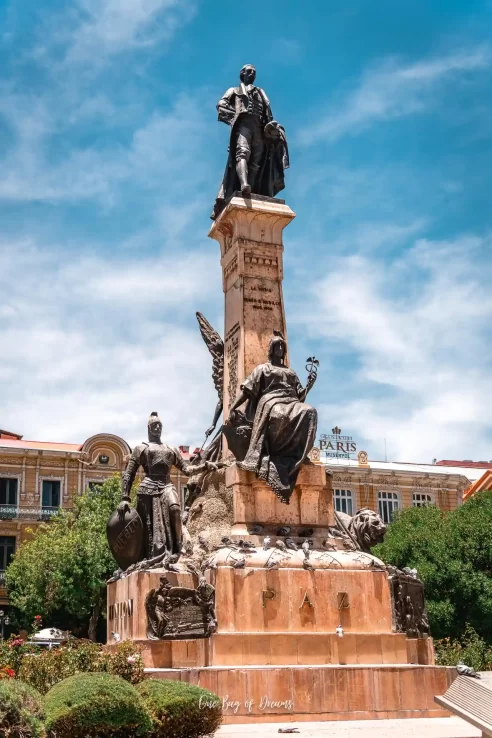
422 727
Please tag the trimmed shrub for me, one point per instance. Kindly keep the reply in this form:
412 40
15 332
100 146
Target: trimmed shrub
90 705
21 710
180 710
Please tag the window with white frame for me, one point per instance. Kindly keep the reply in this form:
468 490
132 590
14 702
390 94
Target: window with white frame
8 491
344 501
420 499
388 503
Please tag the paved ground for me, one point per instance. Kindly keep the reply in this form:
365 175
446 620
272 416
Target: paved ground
421 728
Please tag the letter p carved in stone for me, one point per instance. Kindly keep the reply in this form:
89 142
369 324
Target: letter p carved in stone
267 594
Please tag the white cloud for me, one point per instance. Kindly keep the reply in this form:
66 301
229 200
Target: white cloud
286 51
92 32
417 332
166 153
91 345
392 90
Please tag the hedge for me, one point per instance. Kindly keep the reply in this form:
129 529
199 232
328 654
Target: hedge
95 705
21 710
180 710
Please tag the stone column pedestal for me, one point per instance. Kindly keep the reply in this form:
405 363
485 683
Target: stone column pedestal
249 232
311 505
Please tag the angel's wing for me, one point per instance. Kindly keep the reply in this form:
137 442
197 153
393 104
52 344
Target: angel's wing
215 345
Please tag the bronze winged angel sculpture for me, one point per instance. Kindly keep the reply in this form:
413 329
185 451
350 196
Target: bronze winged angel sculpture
215 345
275 432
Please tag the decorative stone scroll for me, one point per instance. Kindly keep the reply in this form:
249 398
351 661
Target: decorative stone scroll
175 613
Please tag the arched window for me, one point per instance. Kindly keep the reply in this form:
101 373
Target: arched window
344 501
388 502
420 499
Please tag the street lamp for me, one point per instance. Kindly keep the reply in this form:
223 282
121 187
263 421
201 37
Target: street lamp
4 620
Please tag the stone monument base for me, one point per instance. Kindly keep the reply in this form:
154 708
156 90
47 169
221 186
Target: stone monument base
301 634
290 693
276 654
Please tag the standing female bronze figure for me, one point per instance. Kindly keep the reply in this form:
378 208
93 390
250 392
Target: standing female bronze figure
283 425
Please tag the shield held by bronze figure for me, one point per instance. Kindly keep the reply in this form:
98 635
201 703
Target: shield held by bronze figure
125 536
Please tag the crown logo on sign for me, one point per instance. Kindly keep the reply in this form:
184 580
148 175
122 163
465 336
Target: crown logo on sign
336 430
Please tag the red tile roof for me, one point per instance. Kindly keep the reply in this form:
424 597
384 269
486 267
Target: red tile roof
469 464
67 447
39 445
9 434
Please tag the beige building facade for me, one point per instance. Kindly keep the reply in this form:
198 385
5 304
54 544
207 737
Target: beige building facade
389 486
37 478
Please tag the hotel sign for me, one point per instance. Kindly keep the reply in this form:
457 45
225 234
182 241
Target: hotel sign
336 446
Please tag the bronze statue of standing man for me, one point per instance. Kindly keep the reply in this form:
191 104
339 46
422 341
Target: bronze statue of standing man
258 153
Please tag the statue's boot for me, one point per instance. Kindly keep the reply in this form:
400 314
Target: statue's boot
242 173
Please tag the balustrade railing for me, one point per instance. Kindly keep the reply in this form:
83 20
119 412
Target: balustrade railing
8 512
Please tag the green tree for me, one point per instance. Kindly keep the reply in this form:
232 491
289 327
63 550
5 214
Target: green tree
61 572
452 552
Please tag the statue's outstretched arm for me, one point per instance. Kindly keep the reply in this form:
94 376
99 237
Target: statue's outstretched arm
189 469
217 414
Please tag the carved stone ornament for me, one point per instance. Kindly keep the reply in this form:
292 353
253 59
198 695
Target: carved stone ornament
387 481
348 478
422 482
175 613
443 484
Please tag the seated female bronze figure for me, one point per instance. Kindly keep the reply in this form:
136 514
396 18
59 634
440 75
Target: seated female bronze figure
283 426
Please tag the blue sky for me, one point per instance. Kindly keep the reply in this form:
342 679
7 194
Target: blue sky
111 156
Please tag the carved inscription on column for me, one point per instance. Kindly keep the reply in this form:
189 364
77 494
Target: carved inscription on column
261 298
232 354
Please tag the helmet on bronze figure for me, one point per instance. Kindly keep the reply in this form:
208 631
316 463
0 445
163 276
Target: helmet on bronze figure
154 425
277 349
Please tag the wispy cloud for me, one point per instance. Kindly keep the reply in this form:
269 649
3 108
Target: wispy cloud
392 90
95 345
286 50
417 330
166 143
93 32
